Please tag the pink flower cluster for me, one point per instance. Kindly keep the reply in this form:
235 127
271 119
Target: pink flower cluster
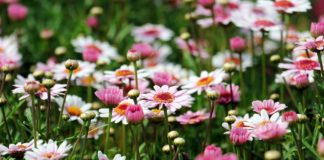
212 152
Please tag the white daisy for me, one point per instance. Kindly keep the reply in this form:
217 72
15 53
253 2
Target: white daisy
84 69
49 151
119 112
150 32
102 156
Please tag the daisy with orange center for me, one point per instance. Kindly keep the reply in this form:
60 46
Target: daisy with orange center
119 112
166 96
74 107
49 151
95 130
123 75
288 6
205 80
238 123
16 150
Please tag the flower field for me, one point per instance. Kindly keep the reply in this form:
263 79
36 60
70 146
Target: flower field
162 79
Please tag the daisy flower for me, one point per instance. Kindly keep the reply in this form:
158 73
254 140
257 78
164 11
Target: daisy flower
150 32
205 80
304 64
258 120
192 47
268 105
238 123
84 69
93 50
225 96
159 56
240 136
271 130
119 112
155 115
56 90
95 130
49 151
123 75
313 44
46 67
295 78
193 117
74 107
288 6
16 150
166 96
102 156
221 58
9 53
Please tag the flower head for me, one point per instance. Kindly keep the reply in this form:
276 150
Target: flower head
49 151
17 11
145 49
102 156
317 29
110 95
225 96
134 114
193 117
16 150
268 105
290 117
237 44
166 96
240 135
270 131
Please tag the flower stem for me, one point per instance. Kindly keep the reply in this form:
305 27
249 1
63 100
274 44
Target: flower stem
83 146
48 113
76 142
136 77
6 123
3 82
241 79
253 61
33 110
212 106
320 62
64 98
166 127
135 133
176 153
297 144
108 128
231 91
263 63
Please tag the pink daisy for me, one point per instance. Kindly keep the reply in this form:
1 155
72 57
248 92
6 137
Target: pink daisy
268 105
271 130
16 150
225 93
313 44
150 32
288 6
300 64
166 96
240 136
193 117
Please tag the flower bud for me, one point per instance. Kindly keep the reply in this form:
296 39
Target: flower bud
173 134
317 29
179 141
31 87
229 67
229 119
223 2
185 36
91 114
101 63
232 112
60 50
96 105
71 64
92 22
38 74
302 81
96 10
9 78
237 44
48 83
49 75
275 59
111 131
274 96
272 155
42 108
133 94
84 116
188 1
302 118
3 100
166 148
290 117
134 114
133 55
17 12
212 95
6 69
172 119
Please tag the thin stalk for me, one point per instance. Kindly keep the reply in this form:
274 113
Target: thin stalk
6 123
243 152
320 62
64 98
135 133
89 94
176 153
33 110
3 82
253 59
48 113
83 146
291 95
108 128
166 127
123 148
241 79
301 139
231 91
263 63
212 106
136 77
297 144
76 142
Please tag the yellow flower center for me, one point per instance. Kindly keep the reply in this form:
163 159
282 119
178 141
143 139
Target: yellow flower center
124 73
121 108
205 81
164 97
74 110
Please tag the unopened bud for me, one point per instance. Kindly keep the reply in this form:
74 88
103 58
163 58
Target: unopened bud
302 118
3 100
232 112
179 141
65 117
42 108
275 59
185 36
91 114
48 83
71 64
171 119
96 105
101 63
49 75
229 67
8 78
96 10
272 155
133 94
38 74
274 96
31 87
84 116
166 148
229 119
173 134
60 50
212 95
133 55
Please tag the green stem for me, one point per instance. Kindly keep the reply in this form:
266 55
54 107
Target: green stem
64 98
253 62
291 95
320 62
83 146
89 94
241 79
263 63
297 144
76 142
33 110
3 82
166 127
176 153
6 123
231 91
136 77
48 113
135 133
212 106
108 128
